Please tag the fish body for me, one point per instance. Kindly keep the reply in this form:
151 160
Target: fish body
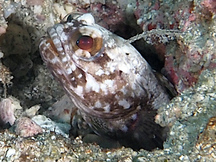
108 80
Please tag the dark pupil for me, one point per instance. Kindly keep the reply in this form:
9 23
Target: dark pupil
85 42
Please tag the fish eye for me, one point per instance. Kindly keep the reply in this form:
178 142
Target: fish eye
85 42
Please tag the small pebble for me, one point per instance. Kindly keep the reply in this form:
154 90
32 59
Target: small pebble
26 127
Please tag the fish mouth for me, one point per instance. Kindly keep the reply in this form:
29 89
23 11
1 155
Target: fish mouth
61 64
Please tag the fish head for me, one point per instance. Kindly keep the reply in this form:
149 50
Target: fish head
97 68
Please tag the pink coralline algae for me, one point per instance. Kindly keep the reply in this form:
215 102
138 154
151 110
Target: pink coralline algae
194 50
210 5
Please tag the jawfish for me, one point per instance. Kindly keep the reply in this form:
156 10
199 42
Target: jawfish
111 84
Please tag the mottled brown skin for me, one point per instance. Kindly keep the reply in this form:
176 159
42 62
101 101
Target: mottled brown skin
110 83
